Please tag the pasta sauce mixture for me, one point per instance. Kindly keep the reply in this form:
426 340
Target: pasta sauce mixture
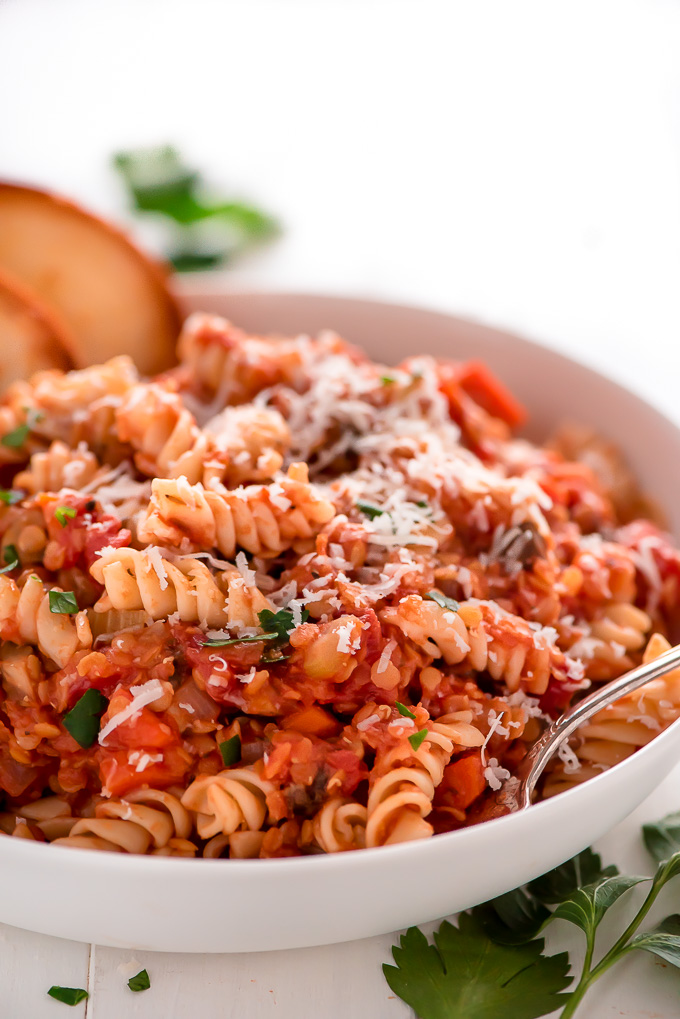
283 600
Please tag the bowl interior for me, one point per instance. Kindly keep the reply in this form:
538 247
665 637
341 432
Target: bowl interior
317 900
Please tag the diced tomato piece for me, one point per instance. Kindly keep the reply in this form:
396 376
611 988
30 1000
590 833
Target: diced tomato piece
145 729
464 780
490 393
119 776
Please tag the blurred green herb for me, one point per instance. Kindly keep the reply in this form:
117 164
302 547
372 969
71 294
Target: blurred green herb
206 231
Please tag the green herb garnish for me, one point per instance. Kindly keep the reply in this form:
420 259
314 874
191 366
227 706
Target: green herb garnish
10 496
492 964
280 622
140 982
82 721
387 380
16 438
64 513
69 995
369 511
230 750
206 231
442 600
11 558
416 740
403 710
277 627
464 974
63 602
421 504
227 641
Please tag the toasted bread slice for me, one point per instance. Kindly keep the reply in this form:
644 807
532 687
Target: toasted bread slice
32 338
113 299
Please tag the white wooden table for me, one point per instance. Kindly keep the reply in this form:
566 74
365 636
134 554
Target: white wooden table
514 162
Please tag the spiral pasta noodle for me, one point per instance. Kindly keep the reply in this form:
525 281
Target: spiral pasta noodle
26 617
617 731
282 600
58 467
145 580
224 803
262 519
507 648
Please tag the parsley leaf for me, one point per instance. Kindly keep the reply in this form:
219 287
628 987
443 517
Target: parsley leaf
513 918
64 512
11 557
442 601
403 710
69 995
387 380
663 941
663 838
16 438
416 740
466 974
586 906
63 602
280 622
369 511
561 883
140 982
227 641
10 496
82 721
206 231
230 750
277 627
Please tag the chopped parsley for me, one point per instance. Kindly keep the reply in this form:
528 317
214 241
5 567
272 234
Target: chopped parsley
16 438
10 496
387 380
369 511
63 602
280 622
11 558
416 740
82 721
403 710
68 995
277 627
62 513
227 641
230 750
442 600
140 982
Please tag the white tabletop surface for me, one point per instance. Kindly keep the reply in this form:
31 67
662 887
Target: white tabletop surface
516 162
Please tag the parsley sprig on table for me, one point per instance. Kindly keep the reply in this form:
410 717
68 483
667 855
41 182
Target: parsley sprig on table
206 231
493 962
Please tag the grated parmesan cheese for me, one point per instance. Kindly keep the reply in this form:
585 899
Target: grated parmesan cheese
142 695
495 775
386 656
247 574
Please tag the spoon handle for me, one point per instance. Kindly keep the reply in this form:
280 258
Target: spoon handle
544 748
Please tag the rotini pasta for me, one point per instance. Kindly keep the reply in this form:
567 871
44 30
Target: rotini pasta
204 653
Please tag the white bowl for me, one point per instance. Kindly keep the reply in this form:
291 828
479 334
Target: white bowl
181 905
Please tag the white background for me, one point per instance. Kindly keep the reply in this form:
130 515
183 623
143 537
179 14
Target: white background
515 161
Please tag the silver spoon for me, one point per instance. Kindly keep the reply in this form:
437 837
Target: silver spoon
543 749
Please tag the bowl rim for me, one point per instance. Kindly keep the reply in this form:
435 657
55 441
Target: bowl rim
188 295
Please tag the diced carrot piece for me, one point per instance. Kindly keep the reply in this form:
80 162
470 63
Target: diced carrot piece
312 721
